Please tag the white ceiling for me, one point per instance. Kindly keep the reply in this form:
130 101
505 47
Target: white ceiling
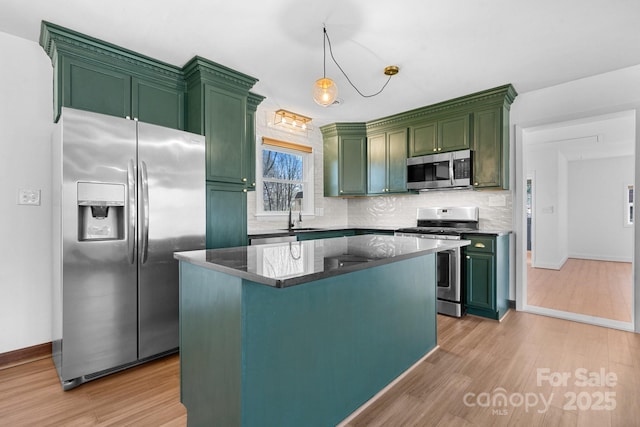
444 49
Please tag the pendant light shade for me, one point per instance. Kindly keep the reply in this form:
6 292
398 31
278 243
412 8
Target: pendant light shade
325 91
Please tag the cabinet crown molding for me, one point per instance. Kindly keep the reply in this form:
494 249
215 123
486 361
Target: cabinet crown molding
55 39
205 69
502 95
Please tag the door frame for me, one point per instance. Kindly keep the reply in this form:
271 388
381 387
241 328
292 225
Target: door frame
520 224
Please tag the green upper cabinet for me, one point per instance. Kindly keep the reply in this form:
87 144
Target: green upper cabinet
93 75
448 134
218 107
345 159
152 102
423 139
479 122
387 162
453 133
252 105
491 165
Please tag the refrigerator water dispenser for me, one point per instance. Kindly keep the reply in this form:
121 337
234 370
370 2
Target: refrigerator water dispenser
101 211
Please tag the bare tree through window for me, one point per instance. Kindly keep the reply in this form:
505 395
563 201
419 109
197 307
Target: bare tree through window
283 177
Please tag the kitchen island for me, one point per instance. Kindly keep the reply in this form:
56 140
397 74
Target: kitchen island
302 333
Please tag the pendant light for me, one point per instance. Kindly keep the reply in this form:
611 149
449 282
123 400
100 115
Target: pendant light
325 90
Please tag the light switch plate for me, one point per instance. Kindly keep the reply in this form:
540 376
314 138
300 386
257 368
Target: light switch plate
28 197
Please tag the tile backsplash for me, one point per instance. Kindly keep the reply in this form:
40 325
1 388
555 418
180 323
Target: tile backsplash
495 208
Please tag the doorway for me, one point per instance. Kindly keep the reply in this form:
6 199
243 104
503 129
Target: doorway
579 249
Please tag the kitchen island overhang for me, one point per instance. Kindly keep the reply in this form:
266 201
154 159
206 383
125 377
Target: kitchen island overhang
302 333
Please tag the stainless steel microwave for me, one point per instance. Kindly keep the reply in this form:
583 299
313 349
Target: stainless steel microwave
440 171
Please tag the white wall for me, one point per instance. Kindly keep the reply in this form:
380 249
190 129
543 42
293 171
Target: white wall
596 208
25 247
545 164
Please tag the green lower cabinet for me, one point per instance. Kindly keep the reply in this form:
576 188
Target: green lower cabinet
226 215
486 275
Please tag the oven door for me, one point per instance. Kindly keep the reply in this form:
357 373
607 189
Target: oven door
448 275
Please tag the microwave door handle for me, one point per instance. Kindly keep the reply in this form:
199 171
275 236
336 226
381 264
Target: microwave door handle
451 169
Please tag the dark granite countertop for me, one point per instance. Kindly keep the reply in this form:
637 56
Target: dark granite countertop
293 263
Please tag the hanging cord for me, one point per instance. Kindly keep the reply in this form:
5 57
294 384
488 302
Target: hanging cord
326 35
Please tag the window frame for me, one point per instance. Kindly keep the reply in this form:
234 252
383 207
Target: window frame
307 181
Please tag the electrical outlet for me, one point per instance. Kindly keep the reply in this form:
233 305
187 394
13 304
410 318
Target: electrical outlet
28 197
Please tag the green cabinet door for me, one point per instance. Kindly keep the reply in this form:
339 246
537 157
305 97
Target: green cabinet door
225 130
453 133
93 75
352 163
91 87
480 283
377 164
344 159
387 162
157 104
423 139
397 161
226 215
491 159
486 275
253 100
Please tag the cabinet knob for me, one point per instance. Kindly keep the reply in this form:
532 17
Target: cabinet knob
127 117
479 245
475 183
244 190
253 184
468 257
439 148
435 149
244 179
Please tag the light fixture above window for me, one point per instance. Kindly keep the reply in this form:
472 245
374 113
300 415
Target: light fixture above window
291 121
325 91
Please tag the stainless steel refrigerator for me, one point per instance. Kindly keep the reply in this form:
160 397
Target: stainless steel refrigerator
126 195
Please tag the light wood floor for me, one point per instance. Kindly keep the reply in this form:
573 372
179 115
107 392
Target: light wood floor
475 356
595 288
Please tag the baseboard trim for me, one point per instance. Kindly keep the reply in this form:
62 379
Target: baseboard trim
25 355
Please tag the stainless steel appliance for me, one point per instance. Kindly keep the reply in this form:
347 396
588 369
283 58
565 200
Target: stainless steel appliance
440 171
446 223
126 195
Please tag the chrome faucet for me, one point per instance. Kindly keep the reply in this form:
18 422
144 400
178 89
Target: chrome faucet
296 199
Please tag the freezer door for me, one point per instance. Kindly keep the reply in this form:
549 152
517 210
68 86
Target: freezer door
171 209
98 276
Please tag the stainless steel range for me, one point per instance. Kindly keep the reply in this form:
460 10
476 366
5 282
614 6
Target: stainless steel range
446 223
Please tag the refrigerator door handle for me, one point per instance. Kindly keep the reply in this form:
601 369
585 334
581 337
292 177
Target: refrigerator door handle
131 190
144 252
